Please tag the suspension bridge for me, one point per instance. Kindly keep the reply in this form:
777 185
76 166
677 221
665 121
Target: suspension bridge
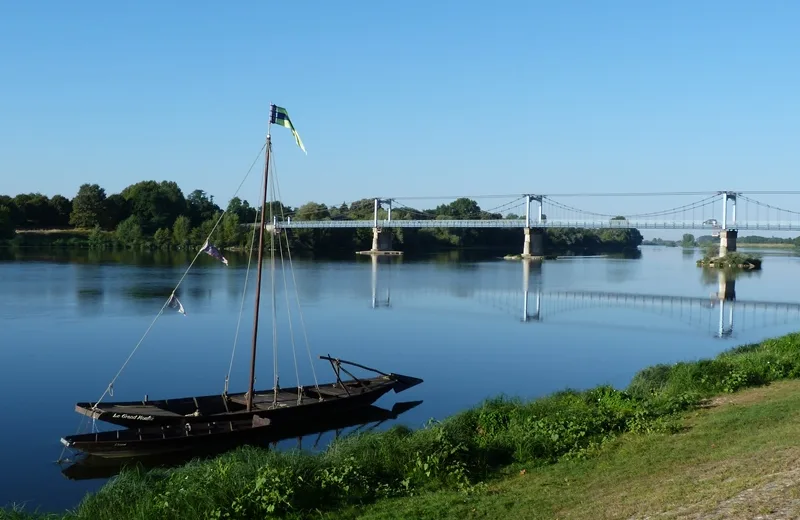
532 303
715 212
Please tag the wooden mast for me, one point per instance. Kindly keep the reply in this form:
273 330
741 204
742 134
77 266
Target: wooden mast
251 390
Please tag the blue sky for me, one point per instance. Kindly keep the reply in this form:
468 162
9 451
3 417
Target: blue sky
403 98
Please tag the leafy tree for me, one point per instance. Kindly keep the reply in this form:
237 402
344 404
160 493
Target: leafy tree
162 238
6 224
231 230
35 210
688 240
88 206
117 209
200 207
243 210
129 232
62 207
312 211
181 231
235 206
619 217
460 209
156 205
99 239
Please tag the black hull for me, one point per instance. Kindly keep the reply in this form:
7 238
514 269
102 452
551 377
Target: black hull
215 438
289 404
310 406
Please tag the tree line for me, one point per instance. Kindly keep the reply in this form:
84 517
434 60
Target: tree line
152 214
689 240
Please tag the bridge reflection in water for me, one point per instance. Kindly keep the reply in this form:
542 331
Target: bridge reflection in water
716 313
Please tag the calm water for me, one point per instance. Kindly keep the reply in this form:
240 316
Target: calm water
68 323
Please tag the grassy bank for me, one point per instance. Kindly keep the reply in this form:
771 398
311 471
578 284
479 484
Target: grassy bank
50 238
736 458
767 245
469 464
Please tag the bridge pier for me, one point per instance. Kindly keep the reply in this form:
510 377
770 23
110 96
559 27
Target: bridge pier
727 287
533 246
381 243
727 241
527 266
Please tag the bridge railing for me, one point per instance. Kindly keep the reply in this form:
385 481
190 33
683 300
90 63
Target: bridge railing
521 223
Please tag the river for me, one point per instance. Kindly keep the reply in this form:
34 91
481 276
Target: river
468 328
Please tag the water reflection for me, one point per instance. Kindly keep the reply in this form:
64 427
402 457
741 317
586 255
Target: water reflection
534 303
361 420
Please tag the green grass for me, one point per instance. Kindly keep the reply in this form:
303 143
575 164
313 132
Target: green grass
734 459
574 447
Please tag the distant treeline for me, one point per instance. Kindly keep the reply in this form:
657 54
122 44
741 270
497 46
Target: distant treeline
157 215
689 240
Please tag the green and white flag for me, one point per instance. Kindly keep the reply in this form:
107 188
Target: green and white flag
281 117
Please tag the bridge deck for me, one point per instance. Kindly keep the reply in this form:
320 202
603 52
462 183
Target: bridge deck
520 223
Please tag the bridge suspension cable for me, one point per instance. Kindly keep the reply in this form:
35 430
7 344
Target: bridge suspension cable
672 211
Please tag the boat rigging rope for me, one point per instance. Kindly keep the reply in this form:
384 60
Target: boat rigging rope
275 378
244 293
110 386
294 279
288 308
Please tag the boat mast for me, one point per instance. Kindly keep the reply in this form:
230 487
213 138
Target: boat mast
251 390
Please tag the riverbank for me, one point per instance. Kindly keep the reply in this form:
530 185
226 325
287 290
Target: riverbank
767 245
468 458
337 243
736 459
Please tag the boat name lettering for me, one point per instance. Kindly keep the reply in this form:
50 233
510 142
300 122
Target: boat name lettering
134 417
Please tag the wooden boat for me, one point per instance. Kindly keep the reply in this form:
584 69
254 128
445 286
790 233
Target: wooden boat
217 437
169 423
287 404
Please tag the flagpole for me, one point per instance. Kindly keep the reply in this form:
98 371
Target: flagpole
251 389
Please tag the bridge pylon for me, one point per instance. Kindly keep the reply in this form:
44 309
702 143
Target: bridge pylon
728 233
381 238
533 239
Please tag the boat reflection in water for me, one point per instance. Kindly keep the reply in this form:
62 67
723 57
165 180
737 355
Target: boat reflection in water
367 418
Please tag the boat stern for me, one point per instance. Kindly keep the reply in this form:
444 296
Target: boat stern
403 383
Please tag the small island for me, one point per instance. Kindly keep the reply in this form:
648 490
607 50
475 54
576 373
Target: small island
730 260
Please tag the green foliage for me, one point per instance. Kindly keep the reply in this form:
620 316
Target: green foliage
200 207
180 231
6 225
711 251
458 453
731 261
156 205
162 239
688 240
99 239
232 232
88 206
756 239
129 231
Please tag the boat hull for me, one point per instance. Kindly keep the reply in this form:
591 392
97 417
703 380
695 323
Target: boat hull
218 436
331 398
